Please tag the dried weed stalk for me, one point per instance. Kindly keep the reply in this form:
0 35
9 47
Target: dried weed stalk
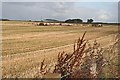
86 61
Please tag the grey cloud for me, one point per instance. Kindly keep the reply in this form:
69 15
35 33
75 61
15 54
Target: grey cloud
0 10
56 10
34 10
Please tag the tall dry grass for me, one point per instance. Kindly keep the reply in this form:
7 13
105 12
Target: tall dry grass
86 61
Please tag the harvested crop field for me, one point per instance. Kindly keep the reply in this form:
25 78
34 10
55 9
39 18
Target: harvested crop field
25 45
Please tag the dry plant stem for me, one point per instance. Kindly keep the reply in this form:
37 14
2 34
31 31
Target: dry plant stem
86 61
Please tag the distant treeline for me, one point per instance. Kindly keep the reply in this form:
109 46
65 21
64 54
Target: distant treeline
4 20
74 21
106 23
79 21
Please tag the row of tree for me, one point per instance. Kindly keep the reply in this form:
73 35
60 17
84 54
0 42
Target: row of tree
78 21
4 20
66 21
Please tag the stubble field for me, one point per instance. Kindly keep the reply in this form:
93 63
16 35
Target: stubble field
25 45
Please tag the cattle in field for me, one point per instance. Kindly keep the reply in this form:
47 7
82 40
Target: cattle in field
100 25
52 24
97 25
46 24
39 24
60 24
67 24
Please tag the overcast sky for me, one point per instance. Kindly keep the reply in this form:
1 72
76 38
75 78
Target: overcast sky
99 11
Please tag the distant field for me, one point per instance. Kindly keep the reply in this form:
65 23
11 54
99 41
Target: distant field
27 45
21 37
